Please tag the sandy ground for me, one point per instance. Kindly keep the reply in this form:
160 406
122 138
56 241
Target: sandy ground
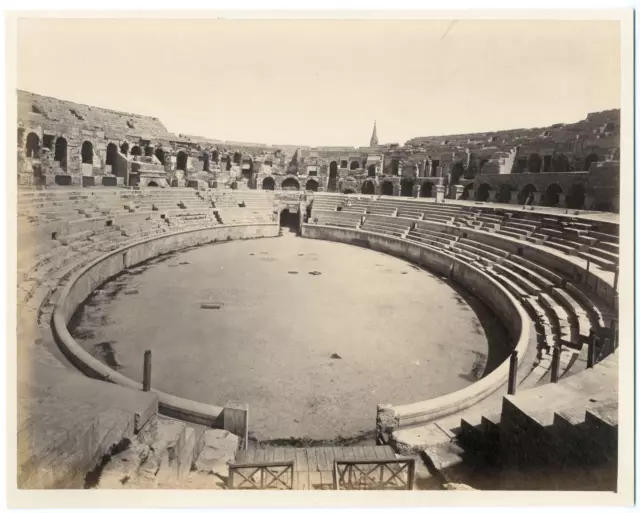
402 334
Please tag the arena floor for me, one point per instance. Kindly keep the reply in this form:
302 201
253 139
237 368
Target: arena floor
397 333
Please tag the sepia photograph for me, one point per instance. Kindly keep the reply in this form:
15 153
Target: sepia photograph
379 252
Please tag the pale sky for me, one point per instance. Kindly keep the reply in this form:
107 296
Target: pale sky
321 83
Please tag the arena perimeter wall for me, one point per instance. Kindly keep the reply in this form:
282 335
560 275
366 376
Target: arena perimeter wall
494 295
92 276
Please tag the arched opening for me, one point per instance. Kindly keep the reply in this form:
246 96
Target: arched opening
590 159
525 196
60 152
160 155
333 176
371 170
124 148
290 184
152 184
205 161
268 184
87 152
406 188
33 145
426 190
368 187
535 163
387 189
112 151
575 197
215 156
289 221
148 151
482 194
349 191
552 195
504 194
395 167
354 165
237 157
466 192
136 151
311 185
456 172
560 163
229 164
181 161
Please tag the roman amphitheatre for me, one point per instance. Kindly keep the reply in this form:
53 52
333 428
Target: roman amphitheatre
195 313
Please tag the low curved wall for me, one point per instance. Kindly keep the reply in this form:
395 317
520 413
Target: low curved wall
85 281
501 302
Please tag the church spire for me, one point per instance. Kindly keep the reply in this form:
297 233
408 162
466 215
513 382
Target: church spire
374 136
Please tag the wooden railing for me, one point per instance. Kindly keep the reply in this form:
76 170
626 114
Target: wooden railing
261 476
397 474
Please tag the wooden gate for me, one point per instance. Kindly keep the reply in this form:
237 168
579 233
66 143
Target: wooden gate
396 474
261 476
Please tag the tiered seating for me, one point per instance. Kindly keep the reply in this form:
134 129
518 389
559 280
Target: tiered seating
243 207
322 202
393 226
426 234
333 218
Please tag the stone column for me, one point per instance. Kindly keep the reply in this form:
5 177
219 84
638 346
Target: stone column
562 200
439 193
492 196
416 190
457 191
537 198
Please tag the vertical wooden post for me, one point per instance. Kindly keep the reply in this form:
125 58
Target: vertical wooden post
555 363
513 373
591 353
146 371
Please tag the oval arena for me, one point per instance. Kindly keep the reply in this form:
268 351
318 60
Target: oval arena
313 306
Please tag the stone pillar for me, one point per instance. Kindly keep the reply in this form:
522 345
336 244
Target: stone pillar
439 193
537 198
589 201
235 419
457 191
416 190
386 422
562 200
492 196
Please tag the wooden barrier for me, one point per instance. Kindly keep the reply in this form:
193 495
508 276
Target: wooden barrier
277 475
396 474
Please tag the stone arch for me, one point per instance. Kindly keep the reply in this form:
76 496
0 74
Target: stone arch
229 164
457 170
482 194
590 159
160 155
368 187
504 194
124 148
60 152
466 192
112 152
426 191
152 184
576 196
406 187
181 161
534 163
395 167
237 157
349 190
148 151
387 188
560 163
136 151
371 170
311 185
205 161
354 165
32 145
525 192
215 156
290 184
87 152
551 195
268 184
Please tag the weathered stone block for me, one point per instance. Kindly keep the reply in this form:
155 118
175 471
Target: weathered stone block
88 181
63 180
111 181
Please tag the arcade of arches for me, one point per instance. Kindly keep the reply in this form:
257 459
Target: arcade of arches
268 184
